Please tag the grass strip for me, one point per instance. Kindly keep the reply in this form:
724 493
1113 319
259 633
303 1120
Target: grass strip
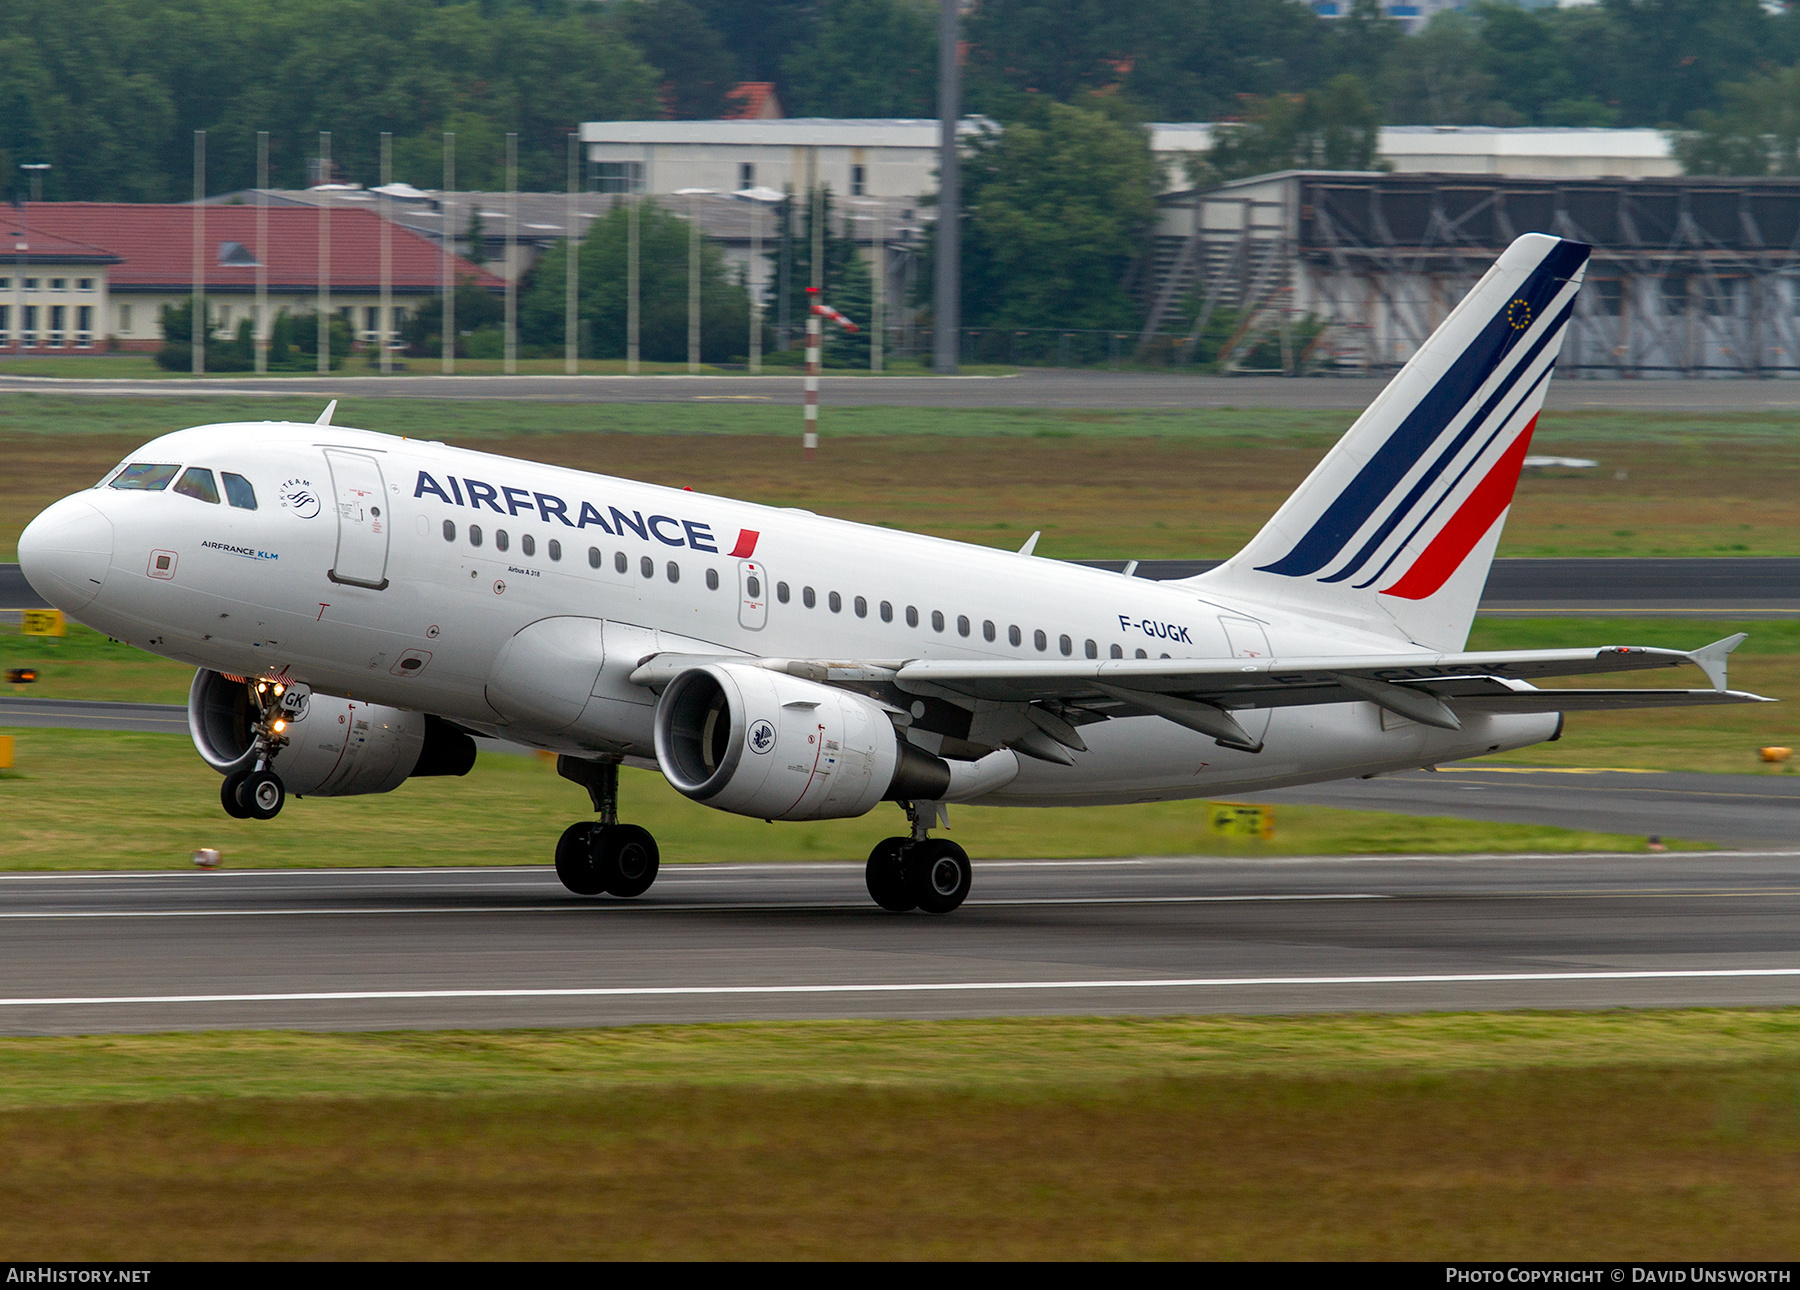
1641 1136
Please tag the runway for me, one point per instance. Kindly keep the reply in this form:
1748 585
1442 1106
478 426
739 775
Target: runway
352 950
1027 388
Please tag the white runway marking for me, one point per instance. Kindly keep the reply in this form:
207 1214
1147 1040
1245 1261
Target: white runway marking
914 987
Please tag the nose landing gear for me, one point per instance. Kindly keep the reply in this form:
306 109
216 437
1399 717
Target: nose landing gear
919 872
258 793
604 856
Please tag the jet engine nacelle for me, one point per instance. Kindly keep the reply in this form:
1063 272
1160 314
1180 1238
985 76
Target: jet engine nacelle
765 744
336 747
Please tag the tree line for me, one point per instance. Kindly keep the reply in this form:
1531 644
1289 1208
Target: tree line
110 91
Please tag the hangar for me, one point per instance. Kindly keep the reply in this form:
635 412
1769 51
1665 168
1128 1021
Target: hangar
1331 271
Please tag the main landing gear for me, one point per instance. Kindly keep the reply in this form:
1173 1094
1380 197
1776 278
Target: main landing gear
591 858
918 872
258 793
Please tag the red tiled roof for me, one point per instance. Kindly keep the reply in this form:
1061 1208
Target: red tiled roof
42 244
753 101
155 243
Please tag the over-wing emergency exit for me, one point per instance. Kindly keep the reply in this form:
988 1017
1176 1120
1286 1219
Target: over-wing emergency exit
359 606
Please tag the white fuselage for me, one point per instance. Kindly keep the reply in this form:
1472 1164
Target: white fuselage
253 592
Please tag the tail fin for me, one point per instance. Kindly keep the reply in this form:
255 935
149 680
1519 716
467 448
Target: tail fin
1396 528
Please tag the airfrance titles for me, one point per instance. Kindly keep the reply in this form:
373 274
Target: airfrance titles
549 508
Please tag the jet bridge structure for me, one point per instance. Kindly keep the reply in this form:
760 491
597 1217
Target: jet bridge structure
1318 272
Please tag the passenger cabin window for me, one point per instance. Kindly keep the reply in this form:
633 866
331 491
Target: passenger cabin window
621 563
674 572
1093 650
555 549
1066 645
912 616
197 481
937 620
1116 652
238 491
987 629
501 541
528 544
1040 640
647 567
862 607
593 557
449 530
807 597
836 602
887 612
781 592
962 624
1012 635
474 535
145 475
712 579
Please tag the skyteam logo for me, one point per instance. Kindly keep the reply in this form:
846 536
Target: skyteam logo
761 737
1420 502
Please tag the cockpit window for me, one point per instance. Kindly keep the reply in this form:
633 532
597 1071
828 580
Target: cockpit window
197 481
145 475
238 491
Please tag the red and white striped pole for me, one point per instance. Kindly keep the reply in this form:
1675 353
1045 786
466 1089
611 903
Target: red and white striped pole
812 371
815 314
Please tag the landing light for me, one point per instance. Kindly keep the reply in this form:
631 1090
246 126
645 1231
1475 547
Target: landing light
280 726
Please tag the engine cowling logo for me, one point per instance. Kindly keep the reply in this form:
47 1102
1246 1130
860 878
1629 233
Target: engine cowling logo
761 737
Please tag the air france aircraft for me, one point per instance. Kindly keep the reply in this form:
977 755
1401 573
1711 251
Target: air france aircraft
359 606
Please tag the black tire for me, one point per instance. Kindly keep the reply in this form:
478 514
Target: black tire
886 876
577 859
938 875
262 794
628 859
228 796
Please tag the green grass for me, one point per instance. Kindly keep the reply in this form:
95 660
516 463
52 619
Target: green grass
1663 1135
106 800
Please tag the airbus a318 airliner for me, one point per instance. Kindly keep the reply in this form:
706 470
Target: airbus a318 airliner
359 606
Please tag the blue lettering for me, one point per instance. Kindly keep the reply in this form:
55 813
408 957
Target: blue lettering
481 494
1124 623
1186 639
516 504
666 519
548 506
635 524
700 536
455 489
591 516
427 484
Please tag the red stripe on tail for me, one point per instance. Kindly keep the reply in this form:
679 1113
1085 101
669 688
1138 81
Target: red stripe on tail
1467 527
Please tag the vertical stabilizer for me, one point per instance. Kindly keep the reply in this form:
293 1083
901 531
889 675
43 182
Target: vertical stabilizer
1396 527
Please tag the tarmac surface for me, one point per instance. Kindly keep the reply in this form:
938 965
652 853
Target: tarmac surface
1028 388
498 948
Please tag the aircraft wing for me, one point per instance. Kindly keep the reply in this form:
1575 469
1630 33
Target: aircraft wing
1264 683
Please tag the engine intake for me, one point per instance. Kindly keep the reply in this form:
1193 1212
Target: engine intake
336 747
769 745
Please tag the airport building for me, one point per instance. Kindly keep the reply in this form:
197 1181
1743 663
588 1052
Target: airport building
1324 271
96 274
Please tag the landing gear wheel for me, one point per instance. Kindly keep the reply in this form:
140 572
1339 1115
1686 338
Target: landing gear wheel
628 859
886 876
577 859
228 796
262 795
938 875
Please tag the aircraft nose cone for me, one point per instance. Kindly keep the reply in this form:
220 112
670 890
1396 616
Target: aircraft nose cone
65 553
